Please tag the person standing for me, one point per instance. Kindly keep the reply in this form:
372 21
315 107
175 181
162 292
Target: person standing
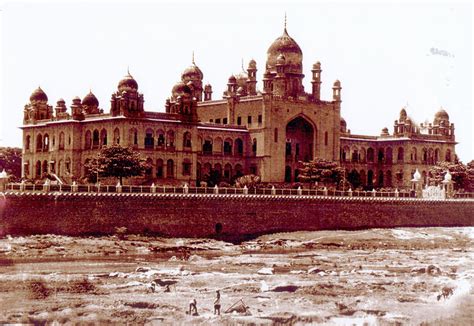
217 303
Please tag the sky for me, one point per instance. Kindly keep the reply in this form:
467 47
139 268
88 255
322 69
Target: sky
386 55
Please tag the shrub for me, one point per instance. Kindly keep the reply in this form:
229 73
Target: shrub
38 289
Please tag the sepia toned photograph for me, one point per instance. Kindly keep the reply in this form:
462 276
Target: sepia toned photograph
236 163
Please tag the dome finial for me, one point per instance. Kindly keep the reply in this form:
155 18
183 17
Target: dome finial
243 65
285 21
128 70
193 59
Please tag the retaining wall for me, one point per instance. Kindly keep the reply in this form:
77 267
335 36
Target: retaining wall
227 216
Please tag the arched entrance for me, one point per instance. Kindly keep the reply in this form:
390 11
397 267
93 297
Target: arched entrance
299 145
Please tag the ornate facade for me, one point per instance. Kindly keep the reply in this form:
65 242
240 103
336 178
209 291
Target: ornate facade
265 132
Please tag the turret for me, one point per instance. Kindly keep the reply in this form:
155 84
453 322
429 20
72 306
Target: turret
316 82
252 78
336 91
208 92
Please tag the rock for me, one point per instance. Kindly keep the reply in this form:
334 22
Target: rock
418 270
433 270
142 269
298 271
285 288
314 270
265 271
264 286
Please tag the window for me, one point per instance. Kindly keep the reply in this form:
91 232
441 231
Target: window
260 119
370 155
288 149
170 169
95 139
224 121
218 120
187 140
170 138
207 147
117 136
27 142
253 169
161 138
448 155
239 147
39 143
159 168
45 143
186 167
326 138
254 147
275 135
211 120
149 139
297 150
400 155
61 141
249 120
103 137
239 121
228 147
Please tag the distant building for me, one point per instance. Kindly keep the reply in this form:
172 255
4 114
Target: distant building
265 132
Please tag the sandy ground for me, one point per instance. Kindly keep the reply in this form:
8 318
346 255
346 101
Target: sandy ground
369 277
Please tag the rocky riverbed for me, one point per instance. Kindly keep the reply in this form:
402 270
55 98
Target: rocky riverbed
406 276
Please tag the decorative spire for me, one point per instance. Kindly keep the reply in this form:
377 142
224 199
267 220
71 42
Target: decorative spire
243 65
285 23
193 59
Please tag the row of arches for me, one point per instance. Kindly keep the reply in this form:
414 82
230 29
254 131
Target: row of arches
387 155
43 143
41 168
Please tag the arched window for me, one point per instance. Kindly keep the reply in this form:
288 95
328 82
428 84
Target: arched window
117 136
187 166
103 137
38 169
95 139
239 171
400 155
88 140
228 146
388 182
254 146
46 143
68 165
448 155
275 135
362 155
170 139
207 147
326 139
355 155
45 167
239 147
430 156
381 155
187 140
27 142
425 155
26 169
133 137
370 178
217 145
227 172
159 168
389 155
61 140
436 155
170 169
414 155
149 139
370 155
161 138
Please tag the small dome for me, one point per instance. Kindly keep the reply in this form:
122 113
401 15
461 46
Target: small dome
76 99
192 73
317 65
280 60
38 95
232 80
403 115
181 89
441 115
343 122
90 100
252 64
127 83
207 85
337 83
61 100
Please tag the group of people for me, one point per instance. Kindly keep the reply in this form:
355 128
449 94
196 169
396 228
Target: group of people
217 305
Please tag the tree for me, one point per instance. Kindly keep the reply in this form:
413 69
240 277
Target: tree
325 172
459 173
250 181
116 161
10 160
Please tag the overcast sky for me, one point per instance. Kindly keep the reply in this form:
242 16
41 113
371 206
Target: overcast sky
386 56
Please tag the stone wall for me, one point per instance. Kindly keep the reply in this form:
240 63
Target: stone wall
236 216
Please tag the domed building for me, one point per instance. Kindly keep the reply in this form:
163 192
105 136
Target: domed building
266 131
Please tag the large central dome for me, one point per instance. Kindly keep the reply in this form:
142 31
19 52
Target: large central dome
288 47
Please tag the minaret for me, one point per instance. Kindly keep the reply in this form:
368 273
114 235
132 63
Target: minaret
252 78
208 92
316 81
336 91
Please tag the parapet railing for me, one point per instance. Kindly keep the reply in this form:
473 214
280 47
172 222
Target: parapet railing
93 188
